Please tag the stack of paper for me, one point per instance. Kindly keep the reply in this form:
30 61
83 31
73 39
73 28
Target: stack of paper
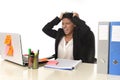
64 64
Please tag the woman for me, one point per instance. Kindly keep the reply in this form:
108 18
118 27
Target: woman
74 40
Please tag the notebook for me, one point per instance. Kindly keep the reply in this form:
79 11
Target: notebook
63 64
11 48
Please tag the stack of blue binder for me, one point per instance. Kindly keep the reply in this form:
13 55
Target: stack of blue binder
109 48
114 49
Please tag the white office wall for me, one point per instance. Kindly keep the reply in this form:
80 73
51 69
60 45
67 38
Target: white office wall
28 17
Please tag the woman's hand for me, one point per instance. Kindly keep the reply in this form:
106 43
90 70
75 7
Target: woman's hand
61 15
75 14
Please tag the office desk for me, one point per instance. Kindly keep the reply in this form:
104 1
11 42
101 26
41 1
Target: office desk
11 71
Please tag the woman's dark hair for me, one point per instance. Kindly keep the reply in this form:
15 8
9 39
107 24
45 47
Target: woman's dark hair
67 15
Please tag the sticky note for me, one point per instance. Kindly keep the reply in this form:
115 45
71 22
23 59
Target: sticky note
7 40
10 51
52 62
9 48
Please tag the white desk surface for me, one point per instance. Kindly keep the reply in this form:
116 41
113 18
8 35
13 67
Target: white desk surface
11 71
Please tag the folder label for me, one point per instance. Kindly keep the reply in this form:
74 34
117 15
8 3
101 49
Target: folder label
103 29
116 33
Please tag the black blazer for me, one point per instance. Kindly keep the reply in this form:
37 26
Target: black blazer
83 39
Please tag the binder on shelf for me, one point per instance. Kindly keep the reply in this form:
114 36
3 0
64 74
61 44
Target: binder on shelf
103 46
114 56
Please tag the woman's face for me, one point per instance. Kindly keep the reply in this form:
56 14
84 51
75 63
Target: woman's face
67 26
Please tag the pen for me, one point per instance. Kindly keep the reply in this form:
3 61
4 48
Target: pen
30 58
29 52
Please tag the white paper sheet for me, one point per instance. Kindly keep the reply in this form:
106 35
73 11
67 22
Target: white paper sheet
103 32
115 33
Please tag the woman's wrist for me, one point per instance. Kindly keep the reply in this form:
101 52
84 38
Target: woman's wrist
61 16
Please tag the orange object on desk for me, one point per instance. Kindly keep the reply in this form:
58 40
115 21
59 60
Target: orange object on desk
43 60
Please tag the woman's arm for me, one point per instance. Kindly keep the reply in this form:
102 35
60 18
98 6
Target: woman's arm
48 28
81 26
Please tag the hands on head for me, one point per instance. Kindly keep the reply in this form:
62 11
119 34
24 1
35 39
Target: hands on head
74 14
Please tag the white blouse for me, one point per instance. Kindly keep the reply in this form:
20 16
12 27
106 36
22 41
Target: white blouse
65 51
